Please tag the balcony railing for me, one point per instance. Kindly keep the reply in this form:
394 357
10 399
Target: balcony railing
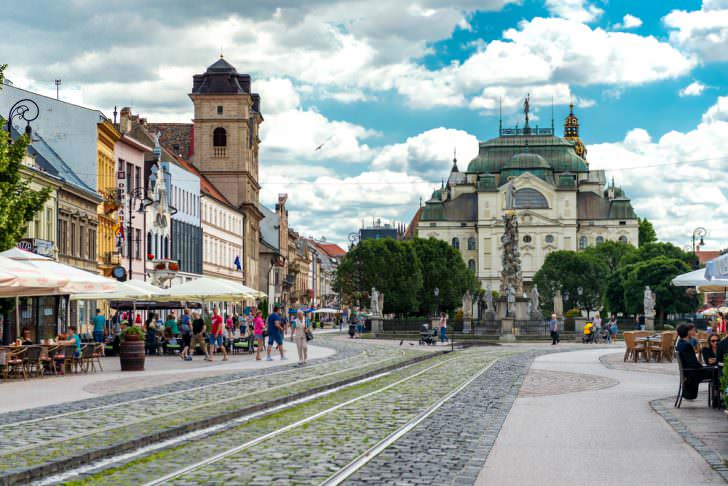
218 152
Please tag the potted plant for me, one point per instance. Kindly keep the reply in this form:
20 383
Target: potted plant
131 351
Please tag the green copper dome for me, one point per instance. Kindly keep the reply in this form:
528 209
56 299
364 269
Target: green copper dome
527 160
497 154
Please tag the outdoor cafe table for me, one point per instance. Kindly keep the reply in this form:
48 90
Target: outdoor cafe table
647 340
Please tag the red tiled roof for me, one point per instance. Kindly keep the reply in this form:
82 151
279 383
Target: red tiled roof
410 233
705 256
331 249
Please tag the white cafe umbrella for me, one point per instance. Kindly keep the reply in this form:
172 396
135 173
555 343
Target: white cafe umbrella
696 278
207 288
129 290
717 268
20 279
77 280
327 310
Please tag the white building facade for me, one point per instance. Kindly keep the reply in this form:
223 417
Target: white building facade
561 203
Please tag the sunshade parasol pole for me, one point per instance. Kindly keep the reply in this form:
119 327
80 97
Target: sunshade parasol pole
17 317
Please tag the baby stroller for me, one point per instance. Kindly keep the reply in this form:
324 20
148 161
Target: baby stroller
427 336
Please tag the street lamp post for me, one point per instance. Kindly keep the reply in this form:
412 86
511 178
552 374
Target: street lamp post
436 291
25 109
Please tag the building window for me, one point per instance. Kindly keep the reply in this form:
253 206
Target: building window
219 137
471 243
471 265
600 240
456 243
583 242
623 239
80 242
72 251
219 109
527 239
530 198
137 177
149 241
129 175
91 244
49 224
549 238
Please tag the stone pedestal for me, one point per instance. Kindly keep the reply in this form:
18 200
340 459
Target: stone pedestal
467 325
377 324
517 310
507 330
649 323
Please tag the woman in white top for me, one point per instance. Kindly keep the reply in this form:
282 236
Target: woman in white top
443 327
299 337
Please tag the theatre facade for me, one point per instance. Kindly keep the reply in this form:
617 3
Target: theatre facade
561 203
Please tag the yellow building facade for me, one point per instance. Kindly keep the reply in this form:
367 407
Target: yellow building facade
107 256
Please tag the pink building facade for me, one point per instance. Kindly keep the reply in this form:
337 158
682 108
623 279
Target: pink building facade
129 155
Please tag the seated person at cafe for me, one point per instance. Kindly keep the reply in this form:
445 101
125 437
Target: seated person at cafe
710 352
693 337
171 324
74 339
25 339
694 371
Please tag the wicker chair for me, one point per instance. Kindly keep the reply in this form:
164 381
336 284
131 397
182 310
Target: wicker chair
99 351
32 362
13 363
663 349
86 360
633 349
49 359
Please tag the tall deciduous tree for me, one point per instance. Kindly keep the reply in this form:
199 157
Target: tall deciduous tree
567 271
18 202
442 268
657 272
647 232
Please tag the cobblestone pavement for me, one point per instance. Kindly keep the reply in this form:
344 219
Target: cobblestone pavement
51 436
540 383
615 361
313 451
451 446
705 429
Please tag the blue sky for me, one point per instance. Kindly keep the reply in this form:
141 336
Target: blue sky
391 91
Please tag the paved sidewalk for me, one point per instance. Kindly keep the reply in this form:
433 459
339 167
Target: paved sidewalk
605 434
159 370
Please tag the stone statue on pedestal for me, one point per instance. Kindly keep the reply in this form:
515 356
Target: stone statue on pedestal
534 311
374 304
489 298
558 303
511 259
467 305
649 302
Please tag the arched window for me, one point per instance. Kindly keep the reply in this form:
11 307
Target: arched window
149 242
600 240
471 265
583 242
623 239
456 243
530 198
471 243
219 137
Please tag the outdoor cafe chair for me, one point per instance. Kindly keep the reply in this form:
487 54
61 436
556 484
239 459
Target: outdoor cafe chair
13 362
709 381
86 360
48 359
633 349
98 353
662 349
31 361
67 359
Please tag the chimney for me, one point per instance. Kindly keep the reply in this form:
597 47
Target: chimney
125 120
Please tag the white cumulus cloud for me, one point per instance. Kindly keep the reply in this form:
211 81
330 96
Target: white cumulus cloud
703 31
629 22
695 88
578 10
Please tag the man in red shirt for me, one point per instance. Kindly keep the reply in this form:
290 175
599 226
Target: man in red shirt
216 340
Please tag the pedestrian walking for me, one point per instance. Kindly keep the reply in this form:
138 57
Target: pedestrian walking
554 330
300 330
198 335
216 334
99 323
344 319
185 329
443 327
275 333
597 323
258 326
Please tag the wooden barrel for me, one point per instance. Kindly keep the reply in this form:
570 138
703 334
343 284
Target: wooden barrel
131 354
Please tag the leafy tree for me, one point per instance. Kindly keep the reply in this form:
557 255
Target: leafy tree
569 270
647 232
655 249
442 268
657 272
389 265
611 253
18 203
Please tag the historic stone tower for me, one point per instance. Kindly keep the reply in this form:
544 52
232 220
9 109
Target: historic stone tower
225 146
